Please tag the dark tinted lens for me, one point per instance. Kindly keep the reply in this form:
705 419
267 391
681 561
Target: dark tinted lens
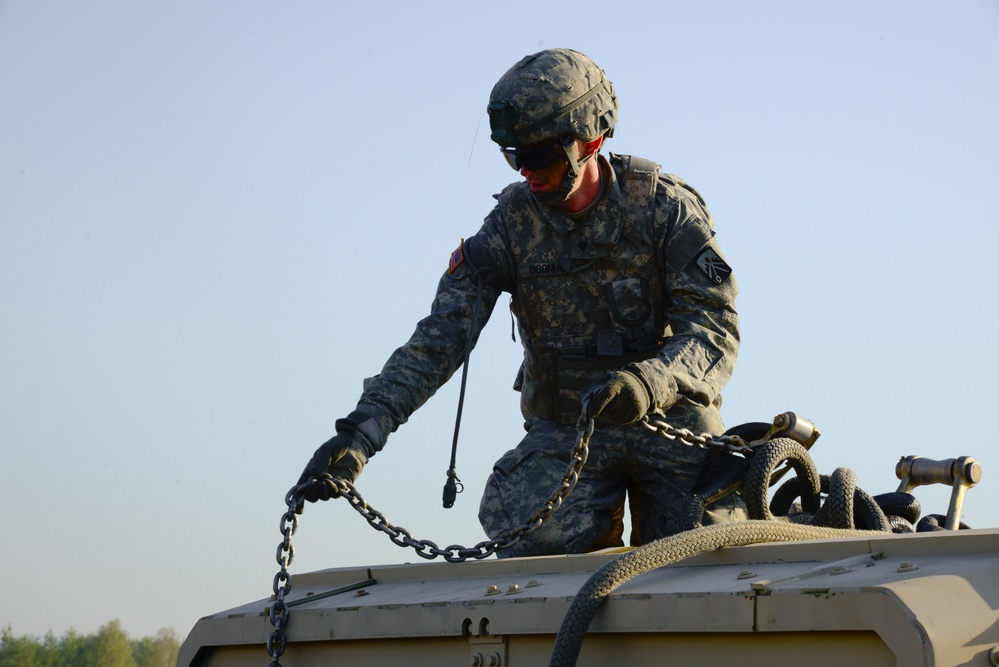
533 158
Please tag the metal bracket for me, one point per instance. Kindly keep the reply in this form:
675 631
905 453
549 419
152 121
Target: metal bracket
961 473
487 651
791 425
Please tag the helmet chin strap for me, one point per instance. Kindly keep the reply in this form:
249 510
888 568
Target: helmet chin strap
571 174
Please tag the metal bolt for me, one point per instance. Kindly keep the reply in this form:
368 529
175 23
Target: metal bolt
494 660
907 567
493 590
513 588
746 574
533 583
476 660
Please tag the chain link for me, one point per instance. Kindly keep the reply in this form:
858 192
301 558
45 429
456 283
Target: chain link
278 613
456 553
730 443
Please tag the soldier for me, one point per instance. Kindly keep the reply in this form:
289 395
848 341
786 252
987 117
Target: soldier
620 292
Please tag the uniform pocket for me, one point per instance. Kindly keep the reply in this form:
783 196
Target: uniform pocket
629 305
513 459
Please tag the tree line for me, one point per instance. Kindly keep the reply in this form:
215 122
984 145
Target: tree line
108 647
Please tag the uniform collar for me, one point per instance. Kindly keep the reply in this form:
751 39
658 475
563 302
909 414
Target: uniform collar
603 222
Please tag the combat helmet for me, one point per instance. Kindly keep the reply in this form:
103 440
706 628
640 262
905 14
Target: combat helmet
551 94
556 95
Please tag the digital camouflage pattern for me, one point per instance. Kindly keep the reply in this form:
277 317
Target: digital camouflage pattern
639 282
553 93
621 459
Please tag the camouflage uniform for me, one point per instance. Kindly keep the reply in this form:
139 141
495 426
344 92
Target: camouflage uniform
638 280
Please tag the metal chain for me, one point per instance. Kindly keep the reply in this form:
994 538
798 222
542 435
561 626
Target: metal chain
278 613
456 553
730 443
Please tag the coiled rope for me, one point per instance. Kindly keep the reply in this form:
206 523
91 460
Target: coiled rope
846 508
663 552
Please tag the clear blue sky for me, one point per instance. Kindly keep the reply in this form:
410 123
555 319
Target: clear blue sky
217 218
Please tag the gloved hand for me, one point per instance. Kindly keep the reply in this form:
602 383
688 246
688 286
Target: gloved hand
328 454
622 398
350 465
343 455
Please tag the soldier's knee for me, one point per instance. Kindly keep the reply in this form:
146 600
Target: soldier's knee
730 508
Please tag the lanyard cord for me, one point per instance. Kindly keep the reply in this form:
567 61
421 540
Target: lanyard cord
453 485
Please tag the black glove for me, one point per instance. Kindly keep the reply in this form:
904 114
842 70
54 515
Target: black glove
350 465
622 399
329 453
342 456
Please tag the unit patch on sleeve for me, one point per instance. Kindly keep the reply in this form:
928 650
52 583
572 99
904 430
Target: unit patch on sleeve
457 257
713 266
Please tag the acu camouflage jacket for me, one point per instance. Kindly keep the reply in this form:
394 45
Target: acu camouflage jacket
640 280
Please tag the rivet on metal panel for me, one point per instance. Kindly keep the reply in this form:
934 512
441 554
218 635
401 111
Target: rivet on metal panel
533 583
907 567
746 574
513 588
493 590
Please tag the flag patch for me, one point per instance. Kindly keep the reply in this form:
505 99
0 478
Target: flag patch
457 257
713 266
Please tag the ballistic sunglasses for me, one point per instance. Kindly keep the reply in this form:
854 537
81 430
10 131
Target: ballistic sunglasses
534 158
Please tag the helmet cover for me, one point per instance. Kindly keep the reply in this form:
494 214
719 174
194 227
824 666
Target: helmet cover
549 95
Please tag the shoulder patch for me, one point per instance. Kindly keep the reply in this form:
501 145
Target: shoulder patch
457 257
713 266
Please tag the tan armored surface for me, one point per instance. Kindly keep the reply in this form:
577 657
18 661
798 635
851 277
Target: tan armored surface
914 599
768 591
